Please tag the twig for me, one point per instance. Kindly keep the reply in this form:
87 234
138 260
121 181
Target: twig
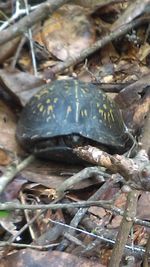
25 23
92 226
12 170
60 67
124 229
31 43
19 48
82 204
17 14
82 211
97 195
80 176
17 245
136 171
135 248
27 216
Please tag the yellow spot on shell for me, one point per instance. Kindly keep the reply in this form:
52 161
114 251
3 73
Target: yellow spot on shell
105 116
37 96
112 116
49 109
101 111
41 108
84 90
44 91
41 93
55 100
104 106
69 109
67 86
82 113
48 101
39 105
109 119
85 113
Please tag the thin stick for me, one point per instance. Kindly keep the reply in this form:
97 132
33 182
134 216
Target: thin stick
31 42
12 170
26 22
124 229
71 61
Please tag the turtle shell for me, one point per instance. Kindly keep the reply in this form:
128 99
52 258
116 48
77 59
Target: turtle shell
71 107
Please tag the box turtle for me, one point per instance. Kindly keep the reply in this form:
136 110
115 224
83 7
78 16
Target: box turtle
70 113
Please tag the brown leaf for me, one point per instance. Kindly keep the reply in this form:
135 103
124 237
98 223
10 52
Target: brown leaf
97 211
51 174
141 111
67 32
132 93
22 85
7 126
12 189
143 206
29 257
5 158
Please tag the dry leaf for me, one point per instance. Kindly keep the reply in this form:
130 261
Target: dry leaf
67 32
28 257
8 127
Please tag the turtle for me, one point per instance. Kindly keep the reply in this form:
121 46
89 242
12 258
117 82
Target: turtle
70 113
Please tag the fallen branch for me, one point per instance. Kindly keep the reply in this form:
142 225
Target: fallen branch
71 61
26 22
136 171
80 176
80 204
82 211
12 170
124 229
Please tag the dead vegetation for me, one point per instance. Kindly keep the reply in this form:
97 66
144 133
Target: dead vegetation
58 214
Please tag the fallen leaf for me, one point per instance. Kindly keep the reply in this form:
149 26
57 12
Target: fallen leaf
8 127
67 32
29 257
22 85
